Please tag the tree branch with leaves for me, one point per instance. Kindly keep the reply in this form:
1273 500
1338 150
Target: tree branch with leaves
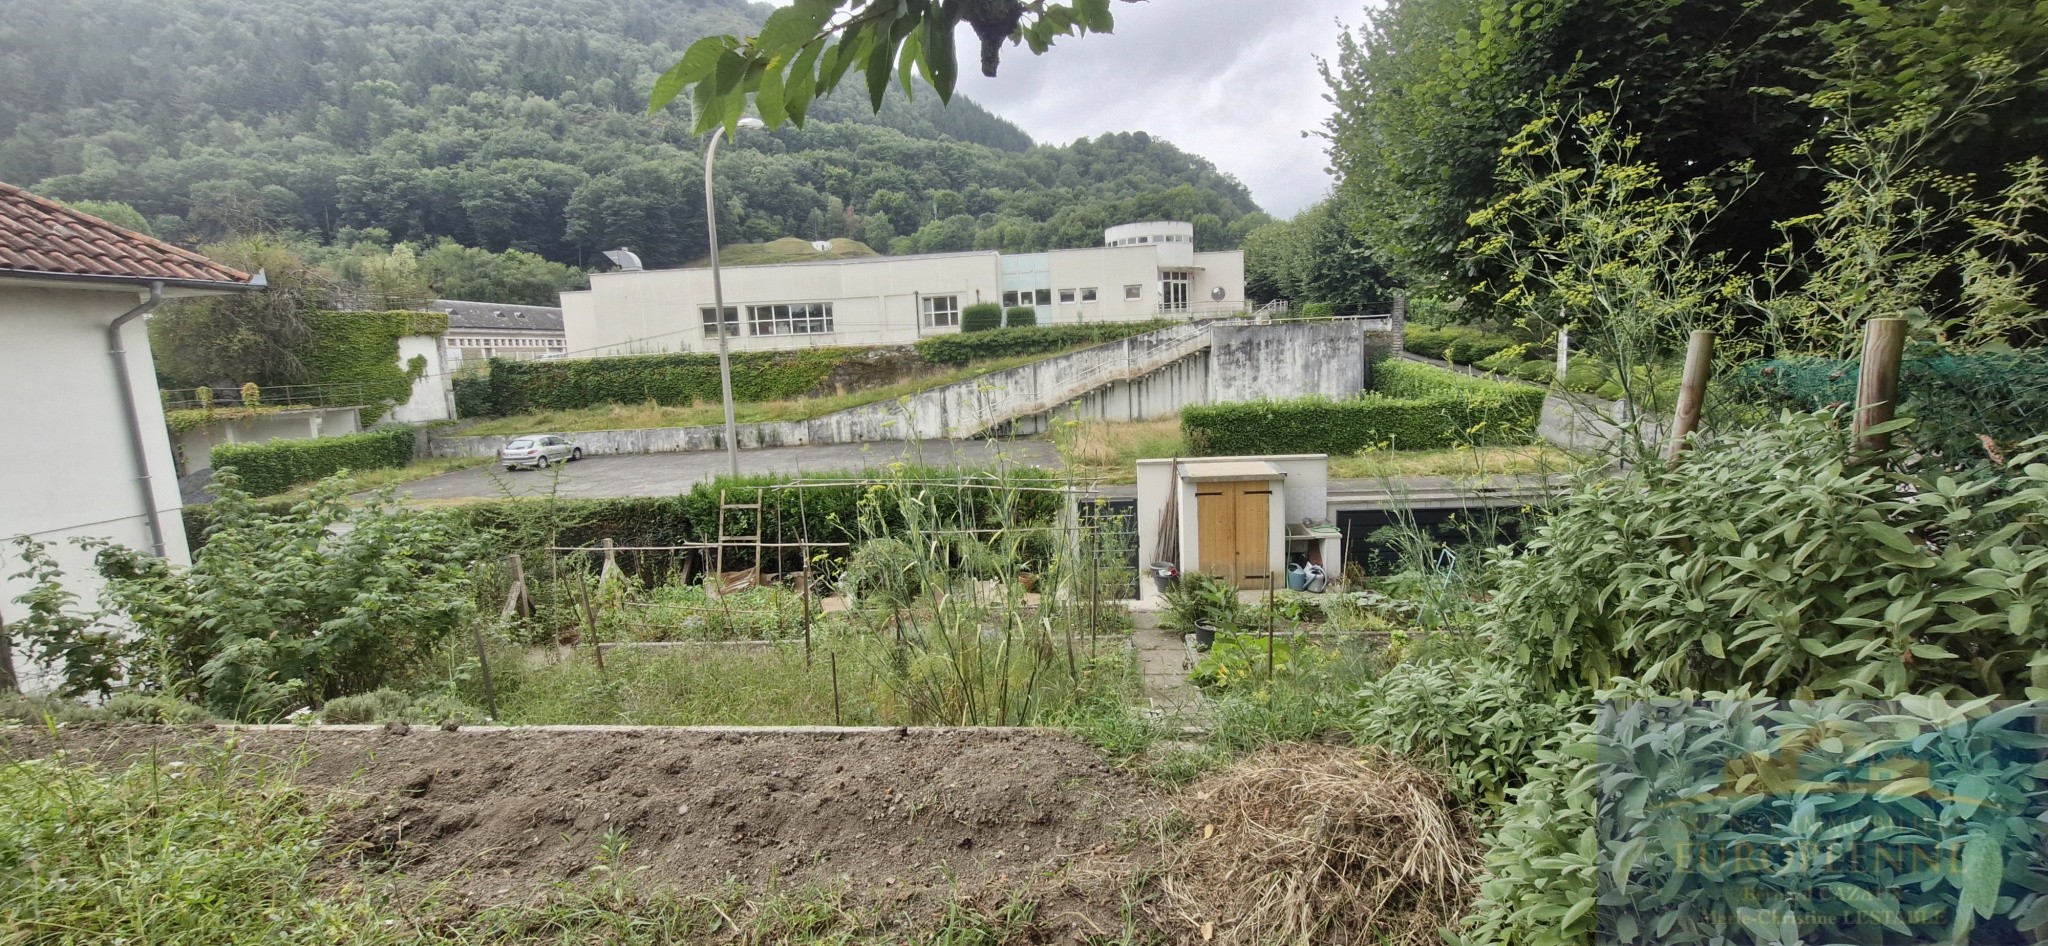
807 48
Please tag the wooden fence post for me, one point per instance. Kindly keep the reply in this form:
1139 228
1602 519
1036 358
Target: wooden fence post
522 596
483 661
1877 381
1692 391
590 622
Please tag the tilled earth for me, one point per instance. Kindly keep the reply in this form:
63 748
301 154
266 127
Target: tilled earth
898 817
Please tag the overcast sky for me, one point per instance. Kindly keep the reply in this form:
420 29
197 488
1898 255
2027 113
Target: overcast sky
1231 80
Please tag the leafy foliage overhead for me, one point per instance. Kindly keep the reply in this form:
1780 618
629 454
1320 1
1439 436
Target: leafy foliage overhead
806 49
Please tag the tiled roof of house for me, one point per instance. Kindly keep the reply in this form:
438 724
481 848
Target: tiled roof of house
42 238
498 317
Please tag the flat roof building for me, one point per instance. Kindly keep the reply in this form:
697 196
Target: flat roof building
1144 271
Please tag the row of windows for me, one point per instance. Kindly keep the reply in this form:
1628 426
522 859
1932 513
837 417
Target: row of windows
521 342
815 318
802 318
1164 238
1067 296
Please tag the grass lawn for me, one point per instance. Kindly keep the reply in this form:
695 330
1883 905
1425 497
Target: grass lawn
650 414
1108 453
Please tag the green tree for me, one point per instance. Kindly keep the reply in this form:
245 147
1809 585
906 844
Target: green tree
246 336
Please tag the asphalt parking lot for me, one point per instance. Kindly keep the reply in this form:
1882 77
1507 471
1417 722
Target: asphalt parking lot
667 474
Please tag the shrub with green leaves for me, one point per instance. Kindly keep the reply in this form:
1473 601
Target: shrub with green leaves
1476 721
1411 407
277 610
1020 316
981 317
278 465
1773 558
968 347
1538 886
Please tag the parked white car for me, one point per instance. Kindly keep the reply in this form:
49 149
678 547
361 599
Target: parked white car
538 451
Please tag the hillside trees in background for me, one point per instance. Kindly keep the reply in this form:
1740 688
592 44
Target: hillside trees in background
522 126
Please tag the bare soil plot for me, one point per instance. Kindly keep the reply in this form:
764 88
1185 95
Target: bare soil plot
906 817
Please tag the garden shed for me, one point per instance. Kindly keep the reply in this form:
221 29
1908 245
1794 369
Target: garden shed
1240 519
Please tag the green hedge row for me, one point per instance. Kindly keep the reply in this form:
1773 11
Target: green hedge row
1957 397
1009 343
1459 344
278 465
832 513
1411 407
522 387
1020 316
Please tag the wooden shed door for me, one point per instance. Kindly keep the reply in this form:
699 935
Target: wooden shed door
1234 519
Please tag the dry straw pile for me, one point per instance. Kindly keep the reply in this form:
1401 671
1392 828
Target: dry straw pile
1316 844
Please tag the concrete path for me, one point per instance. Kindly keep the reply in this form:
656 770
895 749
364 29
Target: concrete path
1163 663
670 474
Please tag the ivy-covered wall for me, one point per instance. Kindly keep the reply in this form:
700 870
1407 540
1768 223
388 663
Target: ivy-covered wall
520 387
361 348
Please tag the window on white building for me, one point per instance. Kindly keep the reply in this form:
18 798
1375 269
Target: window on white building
1045 297
803 318
732 321
941 311
1134 293
1066 297
1088 294
1009 299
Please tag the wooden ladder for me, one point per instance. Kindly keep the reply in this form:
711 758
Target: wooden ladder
725 505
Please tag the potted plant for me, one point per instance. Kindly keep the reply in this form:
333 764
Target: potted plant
1202 606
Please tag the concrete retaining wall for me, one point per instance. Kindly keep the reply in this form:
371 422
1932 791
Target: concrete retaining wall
1140 378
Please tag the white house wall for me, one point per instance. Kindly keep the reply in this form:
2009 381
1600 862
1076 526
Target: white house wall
75 477
875 301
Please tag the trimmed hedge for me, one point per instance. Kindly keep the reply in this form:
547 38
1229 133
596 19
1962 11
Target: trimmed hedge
1020 316
2003 396
522 387
1461 344
962 349
1411 407
981 317
278 465
832 512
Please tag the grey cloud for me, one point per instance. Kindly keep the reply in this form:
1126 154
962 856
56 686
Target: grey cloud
1232 80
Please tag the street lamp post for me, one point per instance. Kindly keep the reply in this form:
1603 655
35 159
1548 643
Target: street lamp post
732 442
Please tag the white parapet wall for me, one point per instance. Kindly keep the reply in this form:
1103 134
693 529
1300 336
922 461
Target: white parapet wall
193 448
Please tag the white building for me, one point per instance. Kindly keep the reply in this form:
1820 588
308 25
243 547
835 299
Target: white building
93 457
478 331
1144 271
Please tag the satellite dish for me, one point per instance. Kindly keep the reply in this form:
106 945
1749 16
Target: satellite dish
625 259
1216 294
822 246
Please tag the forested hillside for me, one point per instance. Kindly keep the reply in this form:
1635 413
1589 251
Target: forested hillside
520 124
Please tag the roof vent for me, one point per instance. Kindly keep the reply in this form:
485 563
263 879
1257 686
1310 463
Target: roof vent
625 259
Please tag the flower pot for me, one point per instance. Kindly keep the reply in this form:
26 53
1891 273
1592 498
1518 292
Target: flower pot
1205 636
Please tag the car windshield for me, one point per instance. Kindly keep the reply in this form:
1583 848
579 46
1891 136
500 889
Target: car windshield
521 442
